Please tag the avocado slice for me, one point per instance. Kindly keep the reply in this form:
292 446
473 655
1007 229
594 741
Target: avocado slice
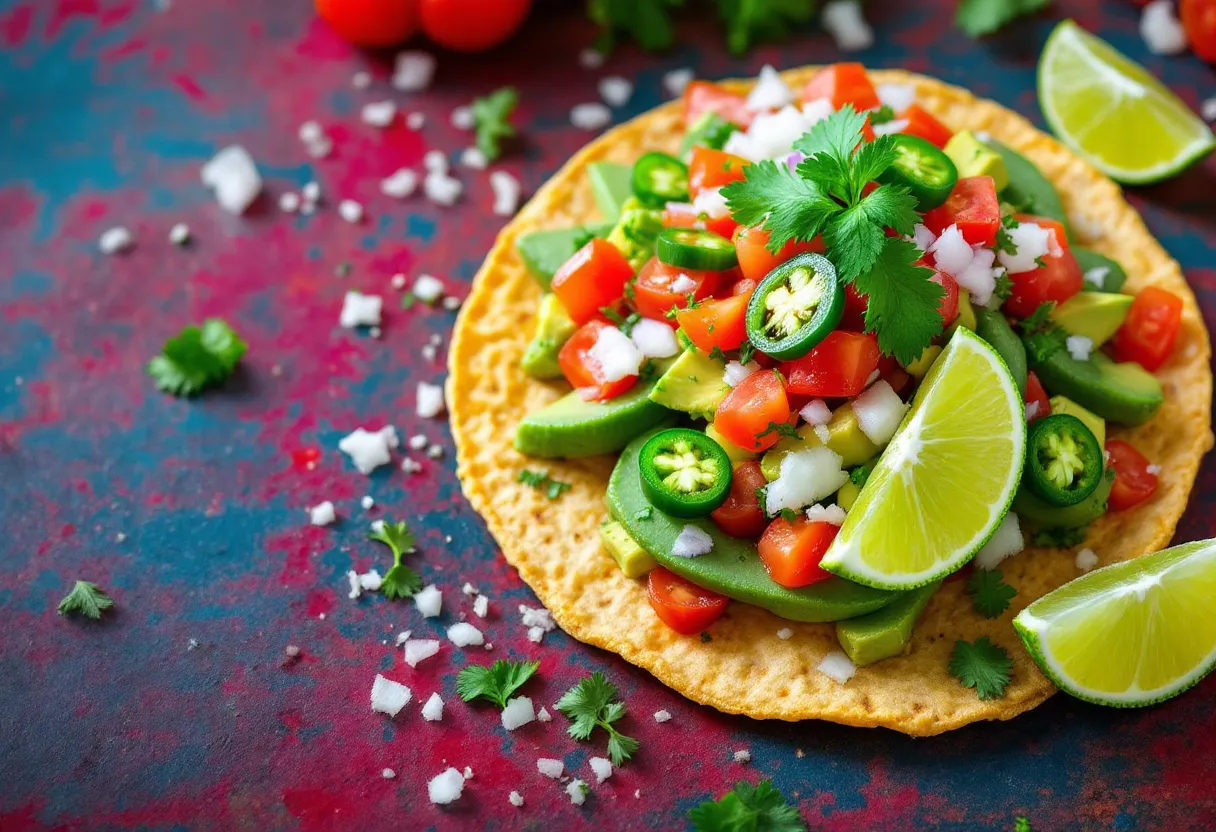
991 325
1029 191
1096 315
553 327
571 427
885 633
611 185
847 495
636 231
1095 423
974 158
544 252
1036 513
733 451
632 558
921 365
1124 393
846 439
1089 260
694 384
733 567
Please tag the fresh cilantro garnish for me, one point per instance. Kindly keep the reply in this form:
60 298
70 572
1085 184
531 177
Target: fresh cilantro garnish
492 120
747 807
631 291
748 21
1003 287
1059 538
983 17
781 429
198 358
648 370
762 498
746 353
400 581
643 513
989 592
882 115
827 195
87 599
624 324
1041 335
589 705
1004 242
981 665
541 481
716 352
408 300
1021 824
495 683
789 515
647 21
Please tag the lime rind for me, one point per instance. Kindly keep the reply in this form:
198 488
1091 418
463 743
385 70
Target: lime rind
1136 582
844 557
1115 72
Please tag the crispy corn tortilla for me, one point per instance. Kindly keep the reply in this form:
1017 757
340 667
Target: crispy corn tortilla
746 669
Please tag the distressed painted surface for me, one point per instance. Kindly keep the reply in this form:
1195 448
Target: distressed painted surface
192 513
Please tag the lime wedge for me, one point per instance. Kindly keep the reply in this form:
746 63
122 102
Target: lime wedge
1113 112
1132 633
945 482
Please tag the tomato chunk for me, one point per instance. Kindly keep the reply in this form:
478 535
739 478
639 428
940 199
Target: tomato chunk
702 97
653 296
922 123
1058 279
1037 403
844 83
972 206
1135 479
1151 329
751 409
583 371
709 168
756 261
838 367
791 552
949 304
594 277
718 323
682 605
684 215
741 514
1199 21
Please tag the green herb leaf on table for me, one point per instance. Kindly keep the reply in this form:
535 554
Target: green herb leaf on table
981 665
197 358
648 22
87 599
492 120
747 808
589 705
541 481
989 592
496 683
1021 824
983 17
400 581
748 21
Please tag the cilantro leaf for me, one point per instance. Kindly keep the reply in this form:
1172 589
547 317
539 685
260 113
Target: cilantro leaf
751 20
989 592
87 599
902 301
882 115
589 705
541 481
747 807
1021 824
856 237
837 135
983 17
781 429
647 21
1041 336
790 207
400 581
495 683
981 665
197 358
492 120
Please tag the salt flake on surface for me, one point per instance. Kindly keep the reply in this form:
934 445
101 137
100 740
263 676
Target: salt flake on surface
389 697
419 649
445 787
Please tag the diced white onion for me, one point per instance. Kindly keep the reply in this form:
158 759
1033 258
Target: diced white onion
1005 542
833 514
654 339
735 372
805 477
1032 242
879 410
816 412
616 354
770 91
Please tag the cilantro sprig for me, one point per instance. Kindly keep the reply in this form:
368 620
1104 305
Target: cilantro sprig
589 705
829 194
87 599
648 22
983 17
1042 336
492 120
747 21
981 665
496 683
747 807
541 481
400 581
989 592
197 358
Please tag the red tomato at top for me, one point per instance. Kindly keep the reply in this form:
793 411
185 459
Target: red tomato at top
702 97
719 323
653 296
836 368
1199 21
845 83
1134 482
791 552
585 373
972 206
1151 329
922 123
372 23
1058 279
709 168
741 515
594 277
471 25
756 261
682 605
747 414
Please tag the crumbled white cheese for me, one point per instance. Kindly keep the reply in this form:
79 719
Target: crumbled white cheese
289 202
837 666
389 697
538 617
355 589
590 116
370 581
435 161
879 410
805 477
518 712
400 184
451 303
615 90
413 71
388 774
1086 559
692 541
446 787
473 157
662 716
676 80
602 768
1208 109
543 715
429 400
234 177
115 240
590 58
411 466
1005 542
898 97
654 339
322 514
418 442
1079 346
369 450
826 514
350 210
441 188
420 649
735 373
742 756
1097 276
1162 31
577 790
435 451
506 190
415 121
359 309
179 234
815 412
462 118
429 601
367 502
616 355
481 606
550 767
516 799
785 634
844 22
465 635
770 92
427 288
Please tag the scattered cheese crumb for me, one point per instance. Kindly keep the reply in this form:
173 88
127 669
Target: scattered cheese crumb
441 188
543 715
115 240
538 620
1086 559
350 210
590 58
837 666
602 768
435 161
427 289
1079 347
844 22
785 634
451 303
1005 542
413 71
465 635
430 400
615 90
411 466
472 157
435 452
361 80
516 798
432 711
233 176
743 756
311 192
369 450
359 309
398 281
676 80
429 601
1162 32
403 637
419 649
418 442
577 790
289 202
468 773
591 116
468 589
662 716
388 774
415 121
826 514
462 118
322 514
400 184
517 713
355 589
445 787
550 767
179 234
692 542
389 697
370 581
481 607
506 190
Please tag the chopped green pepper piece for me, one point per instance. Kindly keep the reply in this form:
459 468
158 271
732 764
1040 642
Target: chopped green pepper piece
684 473
795 307
1064 461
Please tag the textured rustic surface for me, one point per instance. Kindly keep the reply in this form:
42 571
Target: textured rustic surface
192 513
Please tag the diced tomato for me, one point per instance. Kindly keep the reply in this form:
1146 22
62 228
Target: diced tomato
751 409
756 261
652 294
741 515
867 133
682 605
949 304
1151 329
594 277
1134 482
1035 395
684 215
837 368
718 323
702 97
585 373
972 206
922 123
1199 21
1058 279
791 552
709 168
844 83
855 305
